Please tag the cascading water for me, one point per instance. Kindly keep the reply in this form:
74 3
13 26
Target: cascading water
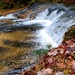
55 25
45 24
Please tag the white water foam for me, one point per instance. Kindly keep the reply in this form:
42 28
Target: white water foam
46 20
42 15
46 39
9 16
42 22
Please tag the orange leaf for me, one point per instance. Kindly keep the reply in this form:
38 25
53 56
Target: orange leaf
61 65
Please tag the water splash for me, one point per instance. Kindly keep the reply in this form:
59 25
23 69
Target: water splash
45 23
46 20
9 16
46 39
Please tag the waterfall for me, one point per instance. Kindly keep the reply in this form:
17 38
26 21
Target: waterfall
55 25
55 22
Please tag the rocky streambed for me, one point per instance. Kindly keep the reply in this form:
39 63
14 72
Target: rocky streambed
14 47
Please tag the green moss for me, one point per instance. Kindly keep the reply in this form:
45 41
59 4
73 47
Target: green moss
73 55
70 33
40 52
67 71
1 2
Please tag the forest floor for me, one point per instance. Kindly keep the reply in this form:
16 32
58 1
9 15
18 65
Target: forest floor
8 11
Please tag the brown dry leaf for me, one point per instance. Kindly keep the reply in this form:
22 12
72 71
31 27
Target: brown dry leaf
39 73
61 50
59 73
50 60
70 58
47 71
73 65
61 65
69 63
53 53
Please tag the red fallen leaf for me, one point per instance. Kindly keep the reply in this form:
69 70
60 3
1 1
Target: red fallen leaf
53 53
73 66
71 49
68 52
39 73
50 60
60 50
73 73
47 64
61 65
33 68
69 42
46 57
69 63
70 57
59 73
47 71
73 69
29 72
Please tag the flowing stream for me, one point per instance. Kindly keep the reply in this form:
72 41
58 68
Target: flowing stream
30 29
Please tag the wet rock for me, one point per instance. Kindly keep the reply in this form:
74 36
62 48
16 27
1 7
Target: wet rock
13 72
5 63
20 44
3 49
11 28
6 21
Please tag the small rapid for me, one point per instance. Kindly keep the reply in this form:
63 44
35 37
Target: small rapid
56 21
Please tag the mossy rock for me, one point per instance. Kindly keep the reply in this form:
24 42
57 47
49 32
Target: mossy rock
70 33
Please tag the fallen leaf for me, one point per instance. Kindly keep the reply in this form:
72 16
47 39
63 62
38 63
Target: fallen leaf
47 71
39 73
61 65
50 60
54 53
73 66
69 63
59 73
